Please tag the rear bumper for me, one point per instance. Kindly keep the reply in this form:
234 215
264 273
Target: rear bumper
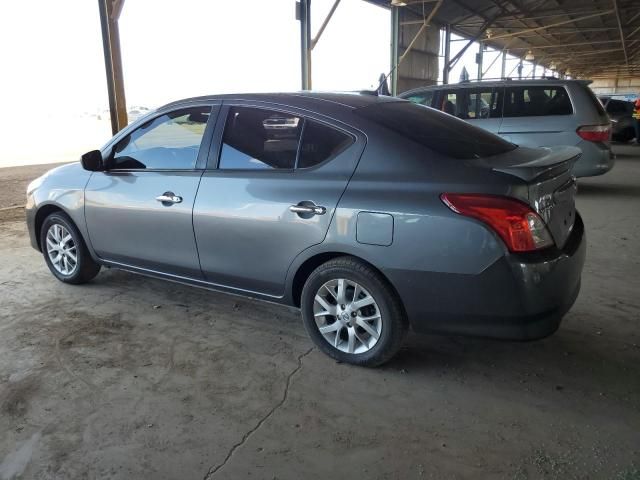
520 297
597 159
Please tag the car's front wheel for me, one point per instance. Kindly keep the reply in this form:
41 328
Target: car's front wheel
352 313
64 250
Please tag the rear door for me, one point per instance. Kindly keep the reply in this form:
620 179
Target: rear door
274 179
538 115
138 212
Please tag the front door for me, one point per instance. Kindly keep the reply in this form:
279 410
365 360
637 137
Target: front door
139 211
276 186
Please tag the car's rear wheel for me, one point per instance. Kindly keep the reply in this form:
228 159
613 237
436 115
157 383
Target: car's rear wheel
64 250
352 313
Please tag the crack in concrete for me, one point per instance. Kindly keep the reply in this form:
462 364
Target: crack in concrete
213 470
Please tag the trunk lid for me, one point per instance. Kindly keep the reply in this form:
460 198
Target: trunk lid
551 188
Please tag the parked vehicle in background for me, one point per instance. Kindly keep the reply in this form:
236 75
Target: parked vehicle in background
370 214
531 113
621 114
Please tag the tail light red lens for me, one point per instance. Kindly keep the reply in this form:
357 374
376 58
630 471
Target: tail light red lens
595 133
521 228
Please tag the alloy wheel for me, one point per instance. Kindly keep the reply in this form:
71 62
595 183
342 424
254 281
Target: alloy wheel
347 316
61 249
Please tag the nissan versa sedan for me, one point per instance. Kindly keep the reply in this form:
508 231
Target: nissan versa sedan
371 214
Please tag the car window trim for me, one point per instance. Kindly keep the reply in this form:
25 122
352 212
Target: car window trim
205 143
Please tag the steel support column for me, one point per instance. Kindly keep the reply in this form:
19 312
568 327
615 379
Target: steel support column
520 66
303 14
479 59
447 53
109 15
504 64
395 43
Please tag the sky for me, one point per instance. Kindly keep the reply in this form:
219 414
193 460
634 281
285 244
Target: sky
53 64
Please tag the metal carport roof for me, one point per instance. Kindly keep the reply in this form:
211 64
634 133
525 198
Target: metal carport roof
589 37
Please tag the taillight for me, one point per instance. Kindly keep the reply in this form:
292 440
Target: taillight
518 225
595 133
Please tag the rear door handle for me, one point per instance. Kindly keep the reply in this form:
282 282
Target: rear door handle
308 209
169 198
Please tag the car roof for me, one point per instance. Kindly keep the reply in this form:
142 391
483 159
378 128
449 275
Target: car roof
498 83
302 99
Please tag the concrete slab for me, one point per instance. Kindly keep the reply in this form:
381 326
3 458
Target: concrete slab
130 377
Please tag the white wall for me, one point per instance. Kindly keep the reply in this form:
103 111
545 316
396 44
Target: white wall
613 85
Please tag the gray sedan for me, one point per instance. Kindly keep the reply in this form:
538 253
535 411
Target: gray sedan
370 214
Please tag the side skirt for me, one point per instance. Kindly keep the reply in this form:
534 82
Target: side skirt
198 283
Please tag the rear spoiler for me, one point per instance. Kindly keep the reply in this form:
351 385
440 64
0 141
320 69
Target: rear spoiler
533 163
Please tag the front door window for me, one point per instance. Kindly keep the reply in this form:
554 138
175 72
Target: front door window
168 142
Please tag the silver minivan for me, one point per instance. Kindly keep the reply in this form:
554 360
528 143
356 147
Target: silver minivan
531 113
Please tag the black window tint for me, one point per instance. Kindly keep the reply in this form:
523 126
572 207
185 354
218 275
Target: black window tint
170 141
320 143
536 101
471 103
441 133
258 139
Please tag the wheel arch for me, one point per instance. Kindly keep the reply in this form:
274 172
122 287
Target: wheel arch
41 214
313 262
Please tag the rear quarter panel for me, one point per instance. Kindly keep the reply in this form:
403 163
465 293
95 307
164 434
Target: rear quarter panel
405 180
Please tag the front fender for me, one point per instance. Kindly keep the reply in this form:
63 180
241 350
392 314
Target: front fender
61 189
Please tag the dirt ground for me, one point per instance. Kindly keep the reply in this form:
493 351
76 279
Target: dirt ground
130 377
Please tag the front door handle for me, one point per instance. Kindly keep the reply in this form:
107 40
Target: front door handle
169 198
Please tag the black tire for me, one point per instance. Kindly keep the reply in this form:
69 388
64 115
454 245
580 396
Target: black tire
394 320
86 268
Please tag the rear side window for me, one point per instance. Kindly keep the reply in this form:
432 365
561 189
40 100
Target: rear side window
536 101
441 133
321 143
260 139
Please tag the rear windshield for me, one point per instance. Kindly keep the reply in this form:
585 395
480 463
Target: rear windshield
435 130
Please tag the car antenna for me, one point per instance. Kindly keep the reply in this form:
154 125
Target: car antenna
382 89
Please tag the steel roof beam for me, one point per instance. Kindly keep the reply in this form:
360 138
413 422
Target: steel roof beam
427 22
624 46
324 24
564 22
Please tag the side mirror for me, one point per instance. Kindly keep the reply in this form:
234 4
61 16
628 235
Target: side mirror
92 161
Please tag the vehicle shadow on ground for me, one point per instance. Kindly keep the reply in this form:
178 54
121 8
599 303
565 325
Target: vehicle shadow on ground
571 359
583 359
